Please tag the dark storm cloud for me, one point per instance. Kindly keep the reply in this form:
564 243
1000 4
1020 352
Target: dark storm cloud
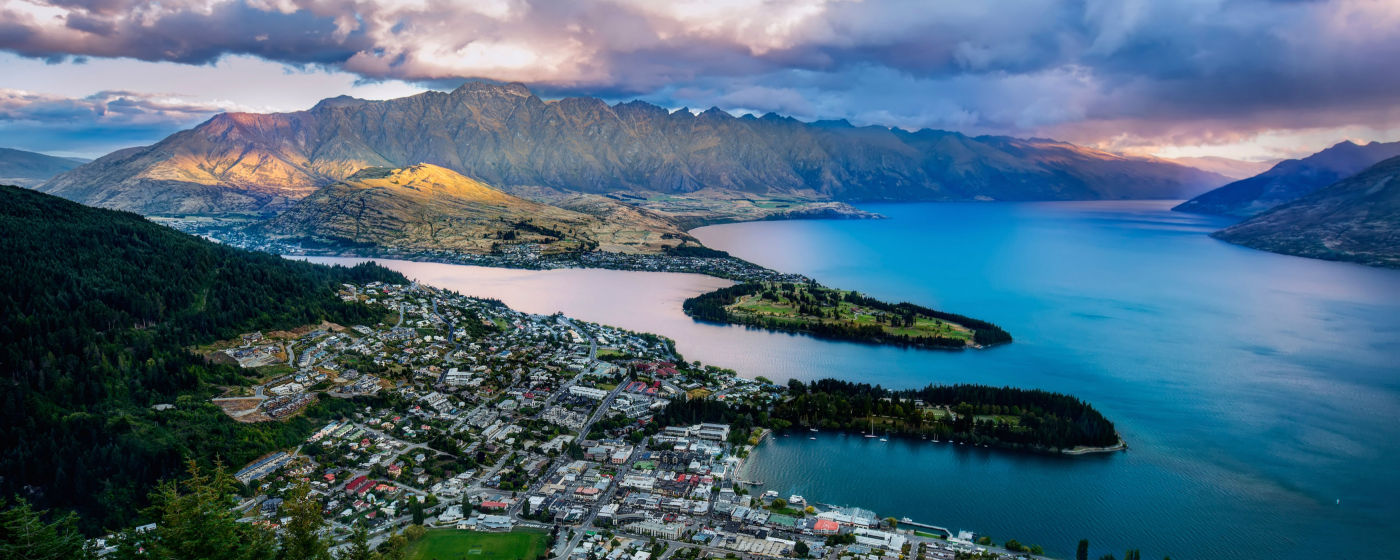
176 32
1091 69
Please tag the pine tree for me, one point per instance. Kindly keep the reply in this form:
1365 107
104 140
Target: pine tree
1083 552
194 520
25 534
301 537
359 546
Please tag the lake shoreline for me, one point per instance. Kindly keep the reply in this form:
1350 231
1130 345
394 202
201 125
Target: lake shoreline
1042 451
1081 450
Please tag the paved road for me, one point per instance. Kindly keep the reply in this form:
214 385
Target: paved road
605 498
603 407
592 343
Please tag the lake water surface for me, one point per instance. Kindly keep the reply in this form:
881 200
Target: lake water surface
1260 393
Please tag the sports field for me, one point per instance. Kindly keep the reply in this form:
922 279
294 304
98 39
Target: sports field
453 544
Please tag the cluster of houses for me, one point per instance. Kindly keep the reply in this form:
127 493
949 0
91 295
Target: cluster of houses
287 405
255 356
520 402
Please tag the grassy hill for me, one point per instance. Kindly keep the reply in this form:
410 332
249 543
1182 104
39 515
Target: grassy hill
427 207
97 310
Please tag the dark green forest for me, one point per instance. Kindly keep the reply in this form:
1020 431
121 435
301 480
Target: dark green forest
711 306
97 311
1010 417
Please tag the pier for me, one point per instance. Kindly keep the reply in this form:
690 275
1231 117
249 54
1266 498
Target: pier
912 523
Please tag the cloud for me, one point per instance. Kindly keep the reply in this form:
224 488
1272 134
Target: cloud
1119 73
97 123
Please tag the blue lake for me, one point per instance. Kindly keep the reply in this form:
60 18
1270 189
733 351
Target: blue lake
1256 390
1260 393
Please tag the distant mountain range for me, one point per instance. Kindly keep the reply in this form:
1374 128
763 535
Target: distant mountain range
1290 180
427 207
1356 219
1235 169
506 136
31 169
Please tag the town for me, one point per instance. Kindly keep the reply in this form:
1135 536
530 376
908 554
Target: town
465 417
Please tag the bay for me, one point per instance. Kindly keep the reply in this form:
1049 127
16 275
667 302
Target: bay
1259 393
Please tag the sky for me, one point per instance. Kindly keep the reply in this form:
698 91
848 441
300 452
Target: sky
1248 79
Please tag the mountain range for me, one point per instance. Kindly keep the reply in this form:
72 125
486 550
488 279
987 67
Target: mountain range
1235 169
31 169
1356 219
506 136
1290 179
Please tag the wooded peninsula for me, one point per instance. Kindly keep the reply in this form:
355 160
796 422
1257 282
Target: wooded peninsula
1028 419
830 313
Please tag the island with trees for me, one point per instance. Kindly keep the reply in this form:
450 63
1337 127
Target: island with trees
816 310
1007 417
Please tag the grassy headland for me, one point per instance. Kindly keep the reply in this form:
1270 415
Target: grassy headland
841 314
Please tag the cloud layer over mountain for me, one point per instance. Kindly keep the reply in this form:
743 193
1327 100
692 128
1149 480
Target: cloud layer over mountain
1116 73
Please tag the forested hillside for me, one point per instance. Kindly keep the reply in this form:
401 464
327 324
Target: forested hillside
96 312
977 414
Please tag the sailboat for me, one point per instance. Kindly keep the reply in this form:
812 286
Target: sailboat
872 428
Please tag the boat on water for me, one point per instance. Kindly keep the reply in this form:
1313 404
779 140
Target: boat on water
871 434
813 437
811 429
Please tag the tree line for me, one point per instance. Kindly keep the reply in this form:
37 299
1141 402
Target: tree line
195 518
1011 417
1023 418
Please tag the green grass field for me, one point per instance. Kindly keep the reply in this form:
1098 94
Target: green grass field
452 544
608 353
787 311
